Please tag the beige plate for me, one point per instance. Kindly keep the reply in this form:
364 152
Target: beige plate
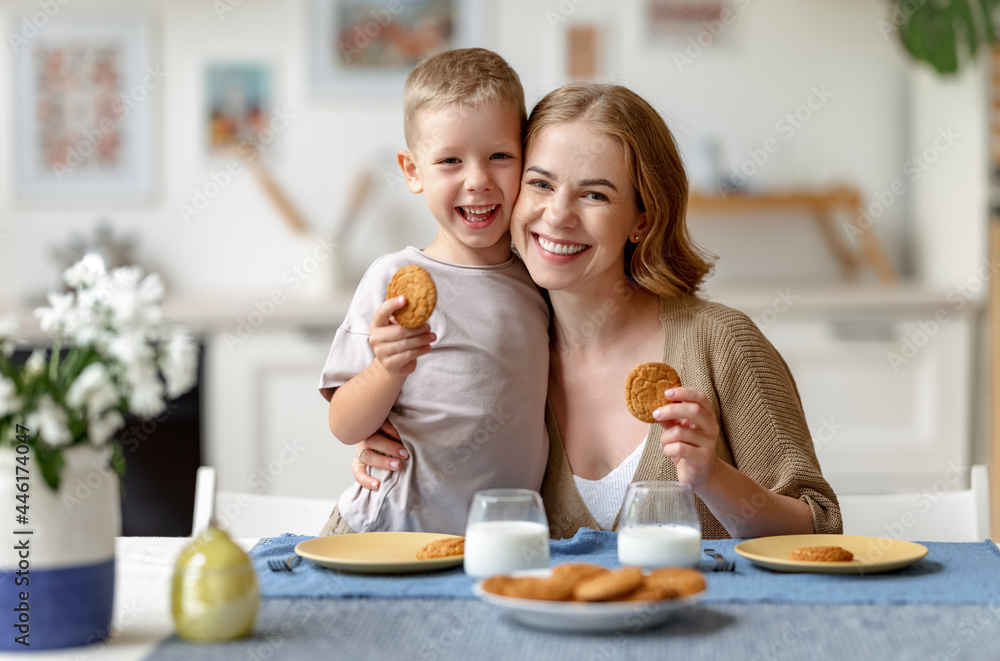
871 554
590 617
376 552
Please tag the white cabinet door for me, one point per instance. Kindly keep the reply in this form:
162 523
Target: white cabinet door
266 423
888 396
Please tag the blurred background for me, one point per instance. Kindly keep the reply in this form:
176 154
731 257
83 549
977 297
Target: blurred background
245 150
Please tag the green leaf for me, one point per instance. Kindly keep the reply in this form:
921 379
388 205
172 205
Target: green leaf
986 8
117 458
50 462
935 31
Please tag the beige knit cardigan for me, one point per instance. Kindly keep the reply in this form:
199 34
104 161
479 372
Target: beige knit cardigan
763 430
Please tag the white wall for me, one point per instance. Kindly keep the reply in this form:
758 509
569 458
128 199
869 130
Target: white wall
239 245
763 65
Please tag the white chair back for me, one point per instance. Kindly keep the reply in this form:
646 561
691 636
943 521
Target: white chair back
933 515
251 515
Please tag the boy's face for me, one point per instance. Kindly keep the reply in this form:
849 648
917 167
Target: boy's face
467 162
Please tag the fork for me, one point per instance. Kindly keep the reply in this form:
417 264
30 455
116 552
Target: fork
277 564
721 564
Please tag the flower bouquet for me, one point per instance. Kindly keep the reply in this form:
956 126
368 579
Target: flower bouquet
112 353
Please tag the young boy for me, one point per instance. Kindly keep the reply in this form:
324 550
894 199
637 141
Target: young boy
467 399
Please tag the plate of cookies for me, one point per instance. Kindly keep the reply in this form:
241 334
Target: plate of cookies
385 552
587 597
831 554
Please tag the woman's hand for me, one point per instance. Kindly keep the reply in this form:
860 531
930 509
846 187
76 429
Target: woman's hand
690 431
380 450
397 347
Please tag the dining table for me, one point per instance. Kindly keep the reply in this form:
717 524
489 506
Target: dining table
945 605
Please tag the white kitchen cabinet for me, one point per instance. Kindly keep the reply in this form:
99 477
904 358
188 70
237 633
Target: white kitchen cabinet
887 385
265 421
886 379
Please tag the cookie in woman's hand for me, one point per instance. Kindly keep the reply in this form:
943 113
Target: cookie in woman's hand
416 285
644 388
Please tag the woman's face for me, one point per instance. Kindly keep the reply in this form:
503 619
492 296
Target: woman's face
576 210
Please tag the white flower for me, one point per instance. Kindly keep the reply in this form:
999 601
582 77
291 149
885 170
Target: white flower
146 397
8 326
94 389
100 429
49 419
8 329
35 364
130 349
89 323
135 304
57 318
179 364
9 401
85 273
151 290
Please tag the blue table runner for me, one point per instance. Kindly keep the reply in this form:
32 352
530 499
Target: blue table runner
951 573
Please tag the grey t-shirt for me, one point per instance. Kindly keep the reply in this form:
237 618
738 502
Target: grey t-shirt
472 413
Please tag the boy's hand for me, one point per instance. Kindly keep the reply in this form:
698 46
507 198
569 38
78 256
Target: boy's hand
397 347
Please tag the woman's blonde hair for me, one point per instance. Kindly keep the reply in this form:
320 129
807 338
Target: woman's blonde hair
463 76
666 261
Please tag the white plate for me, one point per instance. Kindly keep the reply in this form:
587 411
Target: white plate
630 616
871 554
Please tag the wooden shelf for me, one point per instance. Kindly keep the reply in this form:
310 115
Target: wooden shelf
823 205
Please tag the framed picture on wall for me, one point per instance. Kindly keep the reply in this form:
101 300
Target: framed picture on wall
371 45
84 97
675 21
238 105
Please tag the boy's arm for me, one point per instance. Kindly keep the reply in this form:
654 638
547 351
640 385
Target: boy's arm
362 404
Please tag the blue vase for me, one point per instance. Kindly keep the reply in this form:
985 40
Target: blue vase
57 564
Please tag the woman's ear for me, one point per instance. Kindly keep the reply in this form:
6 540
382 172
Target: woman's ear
409 167
641 227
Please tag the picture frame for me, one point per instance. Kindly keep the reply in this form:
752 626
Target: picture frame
85 93
673 22
369 46
239 101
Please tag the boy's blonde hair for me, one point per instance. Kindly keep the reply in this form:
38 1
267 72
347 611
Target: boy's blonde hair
666 262
465 76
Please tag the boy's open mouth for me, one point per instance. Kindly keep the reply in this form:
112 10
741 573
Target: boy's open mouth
478 214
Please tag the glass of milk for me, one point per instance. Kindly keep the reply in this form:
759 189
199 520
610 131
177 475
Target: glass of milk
506 531
659 526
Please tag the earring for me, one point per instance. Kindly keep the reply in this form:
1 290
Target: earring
635 239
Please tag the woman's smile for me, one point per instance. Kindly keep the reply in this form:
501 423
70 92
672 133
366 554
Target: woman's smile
555 249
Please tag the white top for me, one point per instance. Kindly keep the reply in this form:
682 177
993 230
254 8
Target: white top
604 497
472 414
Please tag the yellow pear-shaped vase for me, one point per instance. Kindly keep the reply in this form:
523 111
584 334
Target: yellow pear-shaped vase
215 594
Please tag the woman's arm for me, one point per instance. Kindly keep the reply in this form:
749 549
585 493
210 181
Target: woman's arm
743 506
359 406
386 452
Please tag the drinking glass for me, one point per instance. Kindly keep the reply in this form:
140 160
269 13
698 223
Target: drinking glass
506 531
659 526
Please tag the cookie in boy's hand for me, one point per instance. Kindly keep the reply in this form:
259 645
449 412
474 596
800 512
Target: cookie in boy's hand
644 388
416 285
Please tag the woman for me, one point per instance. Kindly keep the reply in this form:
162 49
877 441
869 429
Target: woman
600 224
